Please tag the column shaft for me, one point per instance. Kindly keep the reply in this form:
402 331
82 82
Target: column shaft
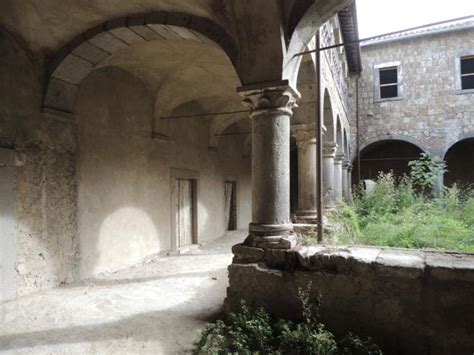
338 178
345 186
306 144
271 109
329 153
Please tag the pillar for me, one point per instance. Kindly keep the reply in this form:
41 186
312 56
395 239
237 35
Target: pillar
306 144
349 182
338 160
345 181
329 153
271 110
438 184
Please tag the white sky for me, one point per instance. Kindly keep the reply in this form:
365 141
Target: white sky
381 16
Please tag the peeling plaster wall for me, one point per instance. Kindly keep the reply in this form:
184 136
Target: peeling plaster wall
46 252
124 179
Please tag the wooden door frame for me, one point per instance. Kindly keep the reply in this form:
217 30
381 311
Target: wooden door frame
195 177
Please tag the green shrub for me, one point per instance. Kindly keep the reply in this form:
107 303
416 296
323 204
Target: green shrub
394 214
247 332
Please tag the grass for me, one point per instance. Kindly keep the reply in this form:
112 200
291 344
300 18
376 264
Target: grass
394 214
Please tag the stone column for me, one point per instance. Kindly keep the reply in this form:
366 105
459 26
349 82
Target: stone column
349 182
271 109
345 181
329 153
306 144
338 160
438 185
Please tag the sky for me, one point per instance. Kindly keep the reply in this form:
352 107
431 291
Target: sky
381 16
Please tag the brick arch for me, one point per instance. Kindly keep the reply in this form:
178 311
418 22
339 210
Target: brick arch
79 57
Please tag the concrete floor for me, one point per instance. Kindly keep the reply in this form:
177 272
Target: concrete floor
155 307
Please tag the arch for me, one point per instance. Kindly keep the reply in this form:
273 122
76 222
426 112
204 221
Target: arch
328 119
386 155
315 16
457 140
458 159
79 57
388 137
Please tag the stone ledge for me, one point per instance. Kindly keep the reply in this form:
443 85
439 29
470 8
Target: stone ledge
394 261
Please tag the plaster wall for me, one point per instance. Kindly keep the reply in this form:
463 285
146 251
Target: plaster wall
431 109
124 204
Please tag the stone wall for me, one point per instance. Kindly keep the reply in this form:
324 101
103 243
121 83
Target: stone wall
408 301
431 111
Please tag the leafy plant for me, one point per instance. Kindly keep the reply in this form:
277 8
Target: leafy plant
247 332
424 172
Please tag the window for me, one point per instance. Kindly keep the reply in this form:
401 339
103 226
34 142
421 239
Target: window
467 73
388 82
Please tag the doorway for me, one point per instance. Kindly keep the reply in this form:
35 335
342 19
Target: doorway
184 186
230 205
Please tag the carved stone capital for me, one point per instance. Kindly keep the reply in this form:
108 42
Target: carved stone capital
304 138
329 150
273 96
339 158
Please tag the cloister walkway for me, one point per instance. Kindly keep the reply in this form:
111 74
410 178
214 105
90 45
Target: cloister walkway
155 307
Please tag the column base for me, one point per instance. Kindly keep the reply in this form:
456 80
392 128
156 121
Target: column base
263 245
271 236
306 217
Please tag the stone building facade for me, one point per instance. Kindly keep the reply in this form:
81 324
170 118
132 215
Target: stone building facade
430 113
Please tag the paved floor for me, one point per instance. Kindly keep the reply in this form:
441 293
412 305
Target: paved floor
153 308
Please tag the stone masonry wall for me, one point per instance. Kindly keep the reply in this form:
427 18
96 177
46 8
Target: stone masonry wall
431 110
408 301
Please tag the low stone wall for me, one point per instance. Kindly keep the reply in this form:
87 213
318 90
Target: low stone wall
408 301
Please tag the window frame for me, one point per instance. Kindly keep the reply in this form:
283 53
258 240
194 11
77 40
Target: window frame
377 86
457 72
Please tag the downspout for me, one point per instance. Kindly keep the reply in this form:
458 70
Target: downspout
319 144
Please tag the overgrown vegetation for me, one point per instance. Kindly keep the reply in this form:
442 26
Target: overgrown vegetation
407 214
247 332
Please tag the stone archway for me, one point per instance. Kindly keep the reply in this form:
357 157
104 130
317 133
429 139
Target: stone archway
385 156
85 52
459 161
